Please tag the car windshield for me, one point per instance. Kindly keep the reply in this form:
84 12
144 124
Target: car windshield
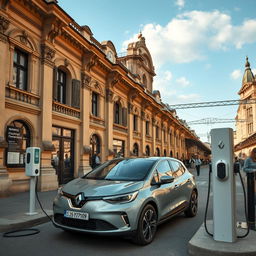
122 170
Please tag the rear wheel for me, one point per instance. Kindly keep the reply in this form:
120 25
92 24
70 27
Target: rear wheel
146 226
193 205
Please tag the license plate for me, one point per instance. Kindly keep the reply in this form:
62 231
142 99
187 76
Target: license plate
76 215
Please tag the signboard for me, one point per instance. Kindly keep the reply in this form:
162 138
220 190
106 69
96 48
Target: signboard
14 137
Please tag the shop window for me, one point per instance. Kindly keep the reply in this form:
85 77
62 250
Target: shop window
20 69
18 139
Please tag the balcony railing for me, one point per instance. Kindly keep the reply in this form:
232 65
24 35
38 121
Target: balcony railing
21 95
64 109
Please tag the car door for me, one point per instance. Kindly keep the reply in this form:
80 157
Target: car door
180 184
163 193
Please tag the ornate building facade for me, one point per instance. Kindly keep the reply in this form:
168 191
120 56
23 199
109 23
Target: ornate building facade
245 135
72 96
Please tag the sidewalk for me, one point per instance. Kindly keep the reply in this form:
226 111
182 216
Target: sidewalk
14 208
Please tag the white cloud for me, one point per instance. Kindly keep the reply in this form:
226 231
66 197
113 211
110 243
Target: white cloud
189 36
180 3
183 82
236 74
188 98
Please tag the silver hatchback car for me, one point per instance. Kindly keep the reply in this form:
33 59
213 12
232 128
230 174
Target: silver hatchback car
127 196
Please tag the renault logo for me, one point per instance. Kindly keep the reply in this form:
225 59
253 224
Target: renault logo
78 199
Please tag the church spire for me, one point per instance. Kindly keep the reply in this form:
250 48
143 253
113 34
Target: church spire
248 75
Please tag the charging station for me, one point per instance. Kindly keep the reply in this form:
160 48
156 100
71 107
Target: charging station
32 169
224 189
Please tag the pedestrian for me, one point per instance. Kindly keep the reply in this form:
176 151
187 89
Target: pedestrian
192 162
250 166
198 164
97 159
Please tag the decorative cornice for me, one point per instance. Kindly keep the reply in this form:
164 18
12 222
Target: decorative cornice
113 78
4 24
90 59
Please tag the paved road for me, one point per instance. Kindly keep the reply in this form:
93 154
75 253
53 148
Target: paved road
171 239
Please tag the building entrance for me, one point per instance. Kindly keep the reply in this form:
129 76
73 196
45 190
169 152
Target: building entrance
63 156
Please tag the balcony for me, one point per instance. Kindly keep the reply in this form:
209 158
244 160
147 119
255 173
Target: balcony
66 110
14 93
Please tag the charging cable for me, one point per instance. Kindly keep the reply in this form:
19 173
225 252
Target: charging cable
29 231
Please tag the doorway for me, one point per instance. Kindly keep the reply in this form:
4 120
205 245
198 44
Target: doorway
63 156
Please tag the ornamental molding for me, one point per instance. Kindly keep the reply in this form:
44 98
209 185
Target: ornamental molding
85 79
47 54
113 78
4 24
90 59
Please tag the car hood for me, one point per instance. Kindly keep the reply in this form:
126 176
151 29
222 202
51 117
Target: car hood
101 187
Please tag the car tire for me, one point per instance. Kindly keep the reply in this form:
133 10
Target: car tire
147 226
193 205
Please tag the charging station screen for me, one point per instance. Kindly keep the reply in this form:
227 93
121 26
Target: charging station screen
36 158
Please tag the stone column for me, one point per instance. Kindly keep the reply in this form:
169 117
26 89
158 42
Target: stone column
85 148
153 137
143 134
109 112
5 181
48 178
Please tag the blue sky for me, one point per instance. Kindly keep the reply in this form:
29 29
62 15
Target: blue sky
198 46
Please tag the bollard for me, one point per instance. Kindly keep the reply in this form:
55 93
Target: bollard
250 200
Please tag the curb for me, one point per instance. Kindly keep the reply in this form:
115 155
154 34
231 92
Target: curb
20 221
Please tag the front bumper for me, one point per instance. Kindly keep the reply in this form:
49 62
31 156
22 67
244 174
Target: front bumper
104 218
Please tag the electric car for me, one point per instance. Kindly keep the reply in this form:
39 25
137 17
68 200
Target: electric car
127 196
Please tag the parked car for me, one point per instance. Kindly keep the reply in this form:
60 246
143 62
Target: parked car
127 196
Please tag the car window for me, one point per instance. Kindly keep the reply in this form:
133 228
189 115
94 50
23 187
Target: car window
164 169
177 168
122 169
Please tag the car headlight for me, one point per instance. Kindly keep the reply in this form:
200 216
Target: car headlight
121 199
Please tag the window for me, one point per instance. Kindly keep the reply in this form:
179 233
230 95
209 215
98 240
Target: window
164 136
157 132
118 147
20 69
110 56
164 169
135 122
61 86
147 127
170 138
18 139
178 169
144 80
95 100
117 113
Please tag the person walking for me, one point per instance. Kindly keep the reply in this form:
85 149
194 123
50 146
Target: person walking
198 164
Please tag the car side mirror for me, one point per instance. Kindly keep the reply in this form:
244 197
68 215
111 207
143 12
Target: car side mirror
166 179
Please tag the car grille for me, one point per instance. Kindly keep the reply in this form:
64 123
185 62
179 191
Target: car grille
92 224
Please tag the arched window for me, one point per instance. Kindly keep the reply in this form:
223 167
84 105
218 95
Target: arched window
117 113
177 155
157 151
171 154
18 139
135 150
165 152
147 150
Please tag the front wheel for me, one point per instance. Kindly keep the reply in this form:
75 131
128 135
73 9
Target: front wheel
193 205
147 225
